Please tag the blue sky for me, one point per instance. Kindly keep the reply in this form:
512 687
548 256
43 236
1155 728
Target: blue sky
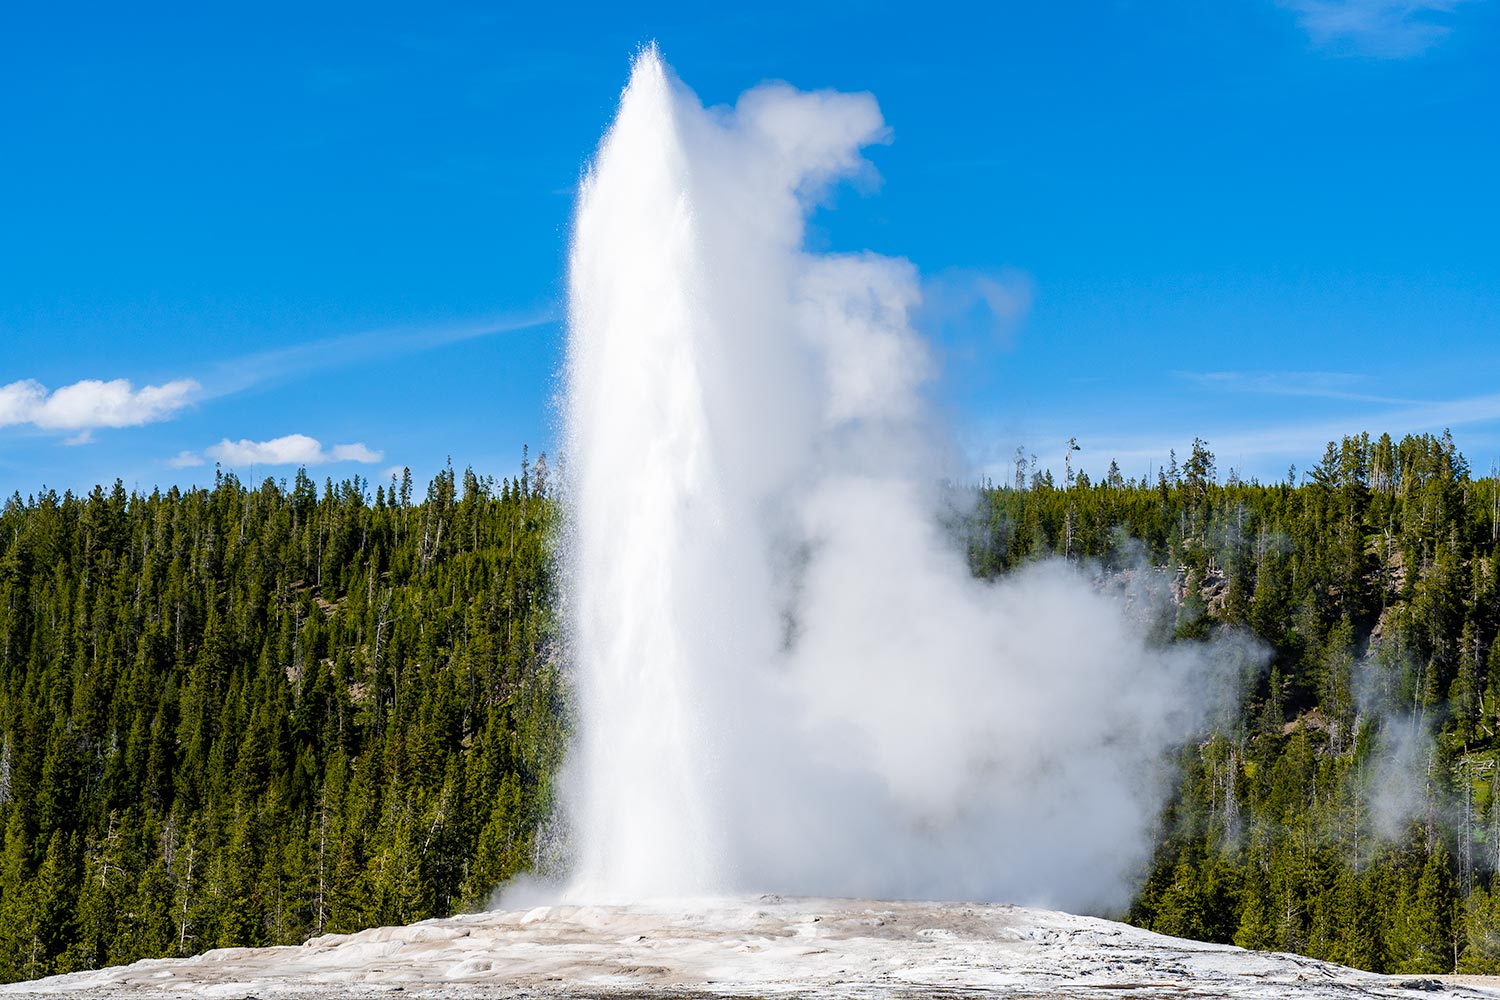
336 235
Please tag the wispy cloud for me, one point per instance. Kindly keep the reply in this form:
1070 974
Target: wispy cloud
1315 385
288 363
292 449
1302 441
1385 29
90 404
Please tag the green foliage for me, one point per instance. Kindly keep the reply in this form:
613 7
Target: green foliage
247 715
1375 586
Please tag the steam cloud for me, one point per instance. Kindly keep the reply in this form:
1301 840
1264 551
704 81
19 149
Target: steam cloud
788 680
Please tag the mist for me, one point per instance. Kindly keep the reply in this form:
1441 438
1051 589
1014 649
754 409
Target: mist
787 679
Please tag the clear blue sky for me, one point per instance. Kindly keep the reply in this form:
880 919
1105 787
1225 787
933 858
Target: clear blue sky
1261 222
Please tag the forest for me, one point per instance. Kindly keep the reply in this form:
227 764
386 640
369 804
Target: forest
1350 810
249 714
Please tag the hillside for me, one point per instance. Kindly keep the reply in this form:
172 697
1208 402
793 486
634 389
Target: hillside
248 715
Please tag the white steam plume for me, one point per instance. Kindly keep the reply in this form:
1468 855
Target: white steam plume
788 680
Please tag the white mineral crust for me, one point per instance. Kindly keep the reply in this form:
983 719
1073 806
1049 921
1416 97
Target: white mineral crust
756 947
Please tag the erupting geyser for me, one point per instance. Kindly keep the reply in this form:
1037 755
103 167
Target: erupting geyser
788 679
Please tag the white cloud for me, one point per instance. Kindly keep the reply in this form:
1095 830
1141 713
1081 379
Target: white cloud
185 460
19 400
1386 29
356 452
292 449
91 403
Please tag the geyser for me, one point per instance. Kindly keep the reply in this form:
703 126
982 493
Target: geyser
788 680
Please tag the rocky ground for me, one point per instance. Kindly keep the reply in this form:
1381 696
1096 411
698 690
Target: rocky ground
751 948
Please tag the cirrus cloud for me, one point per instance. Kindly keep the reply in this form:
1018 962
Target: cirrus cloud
92 403
291 449
1384 29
